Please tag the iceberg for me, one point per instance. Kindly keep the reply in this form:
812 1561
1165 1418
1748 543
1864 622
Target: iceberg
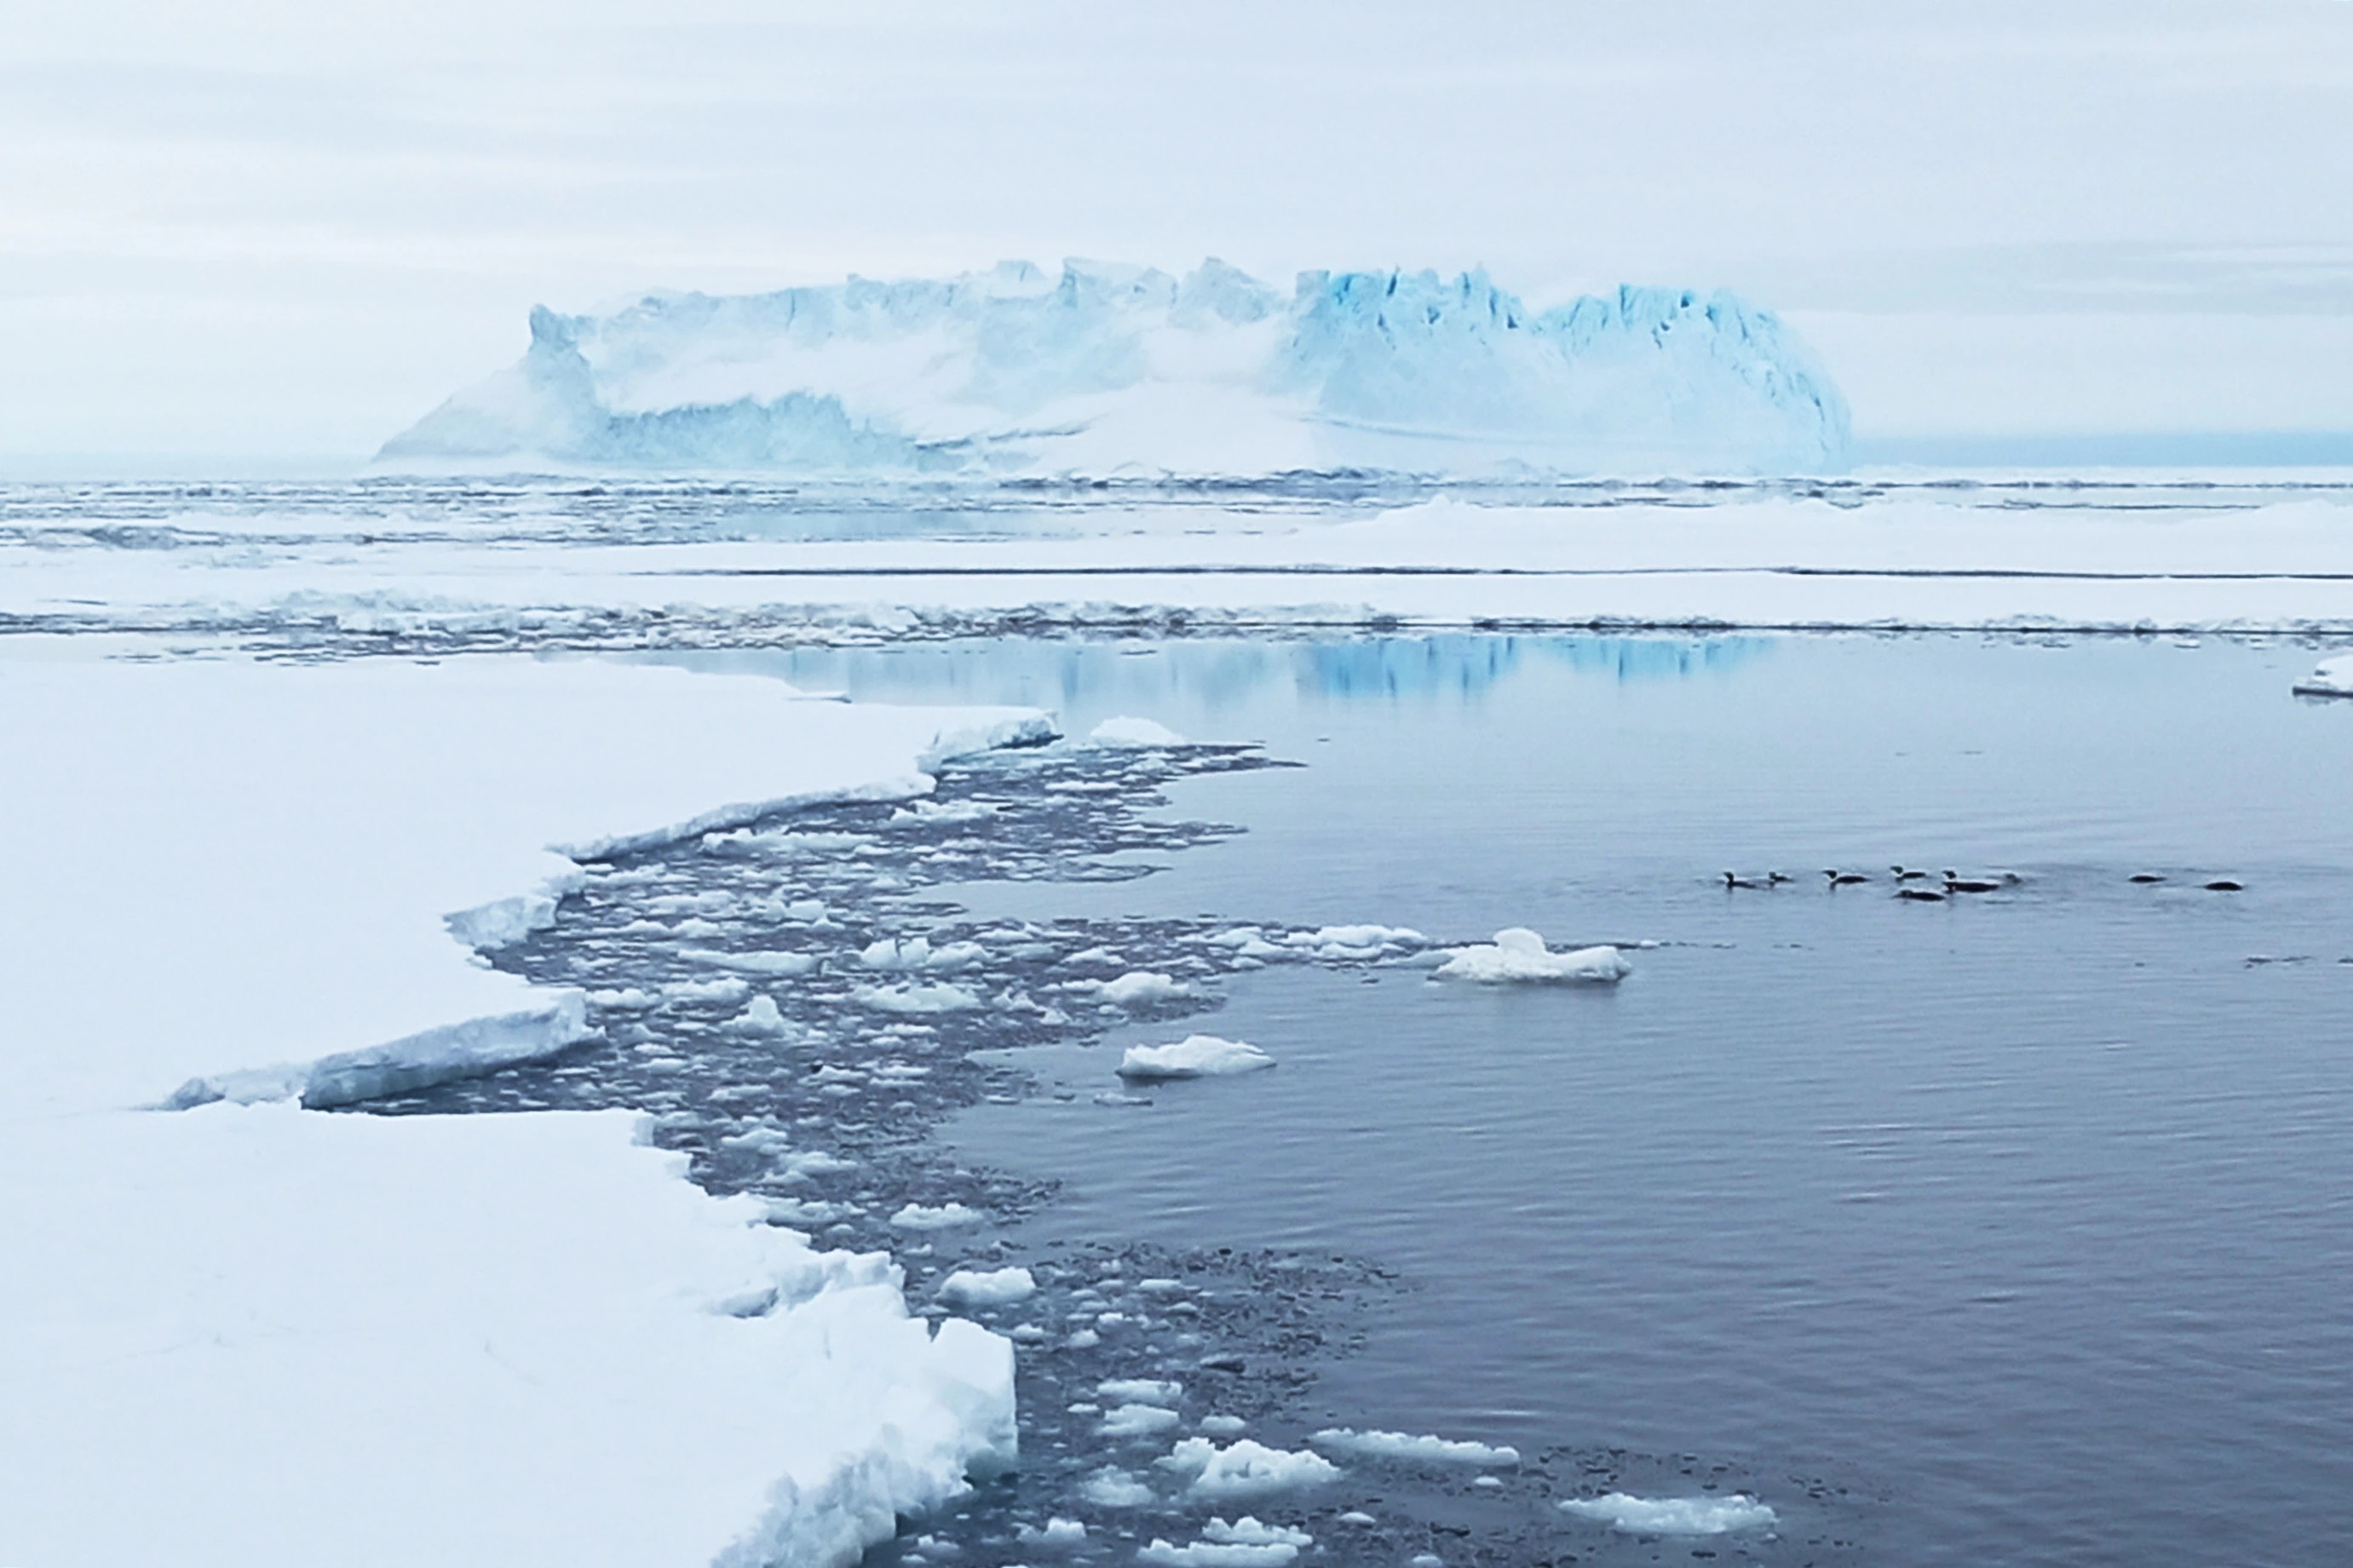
1110 370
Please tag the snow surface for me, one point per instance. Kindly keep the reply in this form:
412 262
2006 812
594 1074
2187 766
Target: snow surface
1115 369
1398 1446
2331 677
1518 956
1673 1516
255 1335
1194 1056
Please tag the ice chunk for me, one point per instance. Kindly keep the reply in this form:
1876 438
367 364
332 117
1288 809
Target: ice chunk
2331 677
1223 1426
727 990
1137 1420
1248 1469
917 999
1058 1532
997 1288
782 965
1208 1554
1672 1516
1195 1056
1118 369
1112 1487
1143 1389
946 1217
1127 731
1248 1531
1138 988
759 1016
1519 956
917 955
1398 1446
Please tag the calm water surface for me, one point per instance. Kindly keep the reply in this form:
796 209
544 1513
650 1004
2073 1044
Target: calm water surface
2029 1219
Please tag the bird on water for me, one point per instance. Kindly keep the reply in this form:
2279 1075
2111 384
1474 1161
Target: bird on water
1903 875
1955 883
1845 878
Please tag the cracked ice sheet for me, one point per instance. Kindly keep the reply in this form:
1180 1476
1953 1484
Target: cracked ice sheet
261 1336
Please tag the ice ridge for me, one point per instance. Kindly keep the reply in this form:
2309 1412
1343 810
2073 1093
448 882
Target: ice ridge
1112 369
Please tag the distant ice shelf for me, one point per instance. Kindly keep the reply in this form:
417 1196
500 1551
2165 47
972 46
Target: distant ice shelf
1115 370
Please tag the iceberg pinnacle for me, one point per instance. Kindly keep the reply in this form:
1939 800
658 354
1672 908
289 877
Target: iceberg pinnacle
1110 370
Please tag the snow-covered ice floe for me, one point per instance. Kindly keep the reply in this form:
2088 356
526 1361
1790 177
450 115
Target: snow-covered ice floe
2331 677
250 1334
1125 731
1194 1056
1673 1516
1117 369
987 1288
1518 956
1424 1449
1246 1469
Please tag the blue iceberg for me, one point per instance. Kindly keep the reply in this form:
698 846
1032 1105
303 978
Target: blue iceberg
1126 371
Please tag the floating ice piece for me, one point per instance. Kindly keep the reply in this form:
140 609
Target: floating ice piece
997 1288
1672 1516
628 1000
917 955
1356 942
1058 1532
1248 1531
946 1217
1112 1487
1138 988
1125 731
1519 955
730 989
1141 1390
1398 1446
782 965
1137 1420
1210 1555
761 1016
917 999
1194 1056
1246 1469
1223 1426
2331 678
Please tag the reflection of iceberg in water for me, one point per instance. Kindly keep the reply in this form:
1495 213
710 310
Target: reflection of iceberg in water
1087 681
1465 665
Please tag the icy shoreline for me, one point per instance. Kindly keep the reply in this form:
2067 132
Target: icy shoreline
257 1334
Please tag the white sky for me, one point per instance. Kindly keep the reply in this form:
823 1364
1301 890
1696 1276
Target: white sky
282 228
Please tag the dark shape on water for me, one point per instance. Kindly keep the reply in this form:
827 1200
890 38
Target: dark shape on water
2147 876
1845 878
1920 895
1955 883
1731 881
1903 875
1774 878
2224 885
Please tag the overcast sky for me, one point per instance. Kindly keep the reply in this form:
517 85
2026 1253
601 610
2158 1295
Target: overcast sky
280 228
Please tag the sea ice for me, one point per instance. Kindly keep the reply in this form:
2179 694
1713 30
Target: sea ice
1398 1446
1142 1390
944 1216
2331 677
1137 988
1519 956
1672 1516
1112 1487
1137 1420
1247 1468
917 1000
1125 731
1195 1056
1057 1532
994 1288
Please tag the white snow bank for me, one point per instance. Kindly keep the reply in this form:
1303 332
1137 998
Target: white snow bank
1398 1446
992 1288
2331 677
1247 1468
1125 731
1672 1516
1116 368
1519 956
258 1336
1195 1056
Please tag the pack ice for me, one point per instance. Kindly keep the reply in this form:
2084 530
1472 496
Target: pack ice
1114 369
